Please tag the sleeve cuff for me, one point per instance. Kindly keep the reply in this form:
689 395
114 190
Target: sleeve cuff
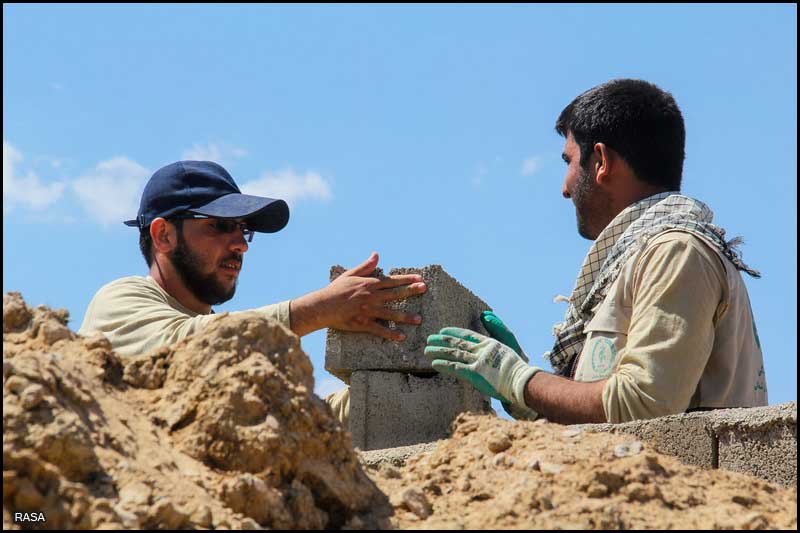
279 312
521 383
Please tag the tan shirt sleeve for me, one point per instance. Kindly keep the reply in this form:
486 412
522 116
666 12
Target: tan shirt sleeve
677 287
137 316
339 402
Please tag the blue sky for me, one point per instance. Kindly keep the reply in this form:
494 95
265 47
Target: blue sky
422 132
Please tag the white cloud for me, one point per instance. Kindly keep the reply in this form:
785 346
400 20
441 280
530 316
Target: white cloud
290 186
327 386
110 193
218 152
531 166
27 191
57 163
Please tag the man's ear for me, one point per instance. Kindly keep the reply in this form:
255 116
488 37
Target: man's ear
164 235
604 160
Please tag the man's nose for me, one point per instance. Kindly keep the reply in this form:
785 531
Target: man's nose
238 242
565 191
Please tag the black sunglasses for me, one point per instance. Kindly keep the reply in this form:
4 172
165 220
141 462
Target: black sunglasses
222 225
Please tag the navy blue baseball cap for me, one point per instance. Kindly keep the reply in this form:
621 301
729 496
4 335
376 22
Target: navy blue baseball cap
205 188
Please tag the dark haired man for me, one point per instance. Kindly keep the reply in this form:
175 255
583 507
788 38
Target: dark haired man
659 321
195 226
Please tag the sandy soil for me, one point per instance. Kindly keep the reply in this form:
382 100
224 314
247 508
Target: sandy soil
499 474
222 430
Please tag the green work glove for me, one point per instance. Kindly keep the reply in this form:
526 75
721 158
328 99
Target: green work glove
490 366
498 330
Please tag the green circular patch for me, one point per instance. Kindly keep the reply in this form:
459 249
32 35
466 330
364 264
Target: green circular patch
603 355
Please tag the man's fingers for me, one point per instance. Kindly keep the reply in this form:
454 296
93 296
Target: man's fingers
381 331
447 341
449 354
462 333
465 373
364 269
401 293
498 330
445 367
398 280
395 316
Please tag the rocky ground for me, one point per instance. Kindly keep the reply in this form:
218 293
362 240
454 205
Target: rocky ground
222 430
219 431
498 474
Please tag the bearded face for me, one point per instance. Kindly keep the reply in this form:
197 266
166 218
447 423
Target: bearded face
592 205
191 266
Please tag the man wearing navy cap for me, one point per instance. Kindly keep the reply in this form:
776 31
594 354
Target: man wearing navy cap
195 225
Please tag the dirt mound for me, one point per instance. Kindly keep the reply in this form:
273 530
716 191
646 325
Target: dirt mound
498 474
221 430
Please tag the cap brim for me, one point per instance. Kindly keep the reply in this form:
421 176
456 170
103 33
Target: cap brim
266 215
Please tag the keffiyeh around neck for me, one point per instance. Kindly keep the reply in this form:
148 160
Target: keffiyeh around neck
619 241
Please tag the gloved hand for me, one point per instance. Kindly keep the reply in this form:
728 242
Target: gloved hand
498 330
490 366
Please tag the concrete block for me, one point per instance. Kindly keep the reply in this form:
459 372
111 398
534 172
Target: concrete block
758 441
687 437
761 442
391 409
446 303
396 457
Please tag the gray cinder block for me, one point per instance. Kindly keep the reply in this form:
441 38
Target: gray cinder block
390 409
687 437
396 457
446 303
758 441
761 442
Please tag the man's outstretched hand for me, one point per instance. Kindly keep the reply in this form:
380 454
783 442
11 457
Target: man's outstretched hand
489 365
355 300
499 331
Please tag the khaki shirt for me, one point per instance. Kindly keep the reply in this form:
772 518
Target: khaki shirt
339 402
136 315
675 332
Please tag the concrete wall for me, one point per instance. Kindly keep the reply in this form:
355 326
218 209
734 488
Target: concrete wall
761 441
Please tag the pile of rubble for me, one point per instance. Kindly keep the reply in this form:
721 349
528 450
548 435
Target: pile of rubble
499 474
221 430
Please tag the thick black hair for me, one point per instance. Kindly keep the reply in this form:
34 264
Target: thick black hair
636 119
146 241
